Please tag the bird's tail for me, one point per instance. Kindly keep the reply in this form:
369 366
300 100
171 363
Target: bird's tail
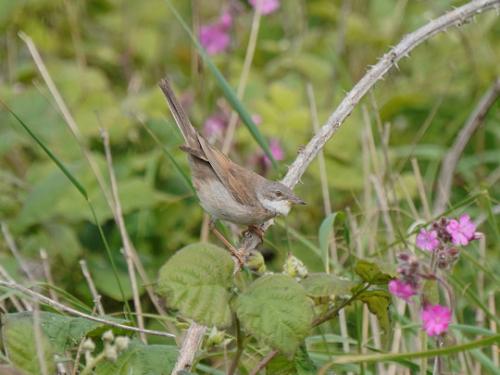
188 131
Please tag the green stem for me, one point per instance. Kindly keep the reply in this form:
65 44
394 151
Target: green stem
239 350
89 366
334 311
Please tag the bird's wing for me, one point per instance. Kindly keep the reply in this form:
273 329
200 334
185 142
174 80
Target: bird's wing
231 175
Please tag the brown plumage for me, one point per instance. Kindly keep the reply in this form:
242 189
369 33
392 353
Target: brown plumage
226 190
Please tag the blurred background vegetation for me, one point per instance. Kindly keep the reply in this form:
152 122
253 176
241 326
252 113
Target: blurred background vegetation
106 57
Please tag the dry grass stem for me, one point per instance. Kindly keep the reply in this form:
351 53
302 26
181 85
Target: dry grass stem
11 244
96 297
123 233
252 43
48 274
450 161
59 306
421 189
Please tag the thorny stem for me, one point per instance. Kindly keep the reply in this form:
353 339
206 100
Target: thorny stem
455 17
239 349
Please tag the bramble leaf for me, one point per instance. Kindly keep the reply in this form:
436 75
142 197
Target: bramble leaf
324 285
378 303
196 281
371 272
141 359
19 341
276 310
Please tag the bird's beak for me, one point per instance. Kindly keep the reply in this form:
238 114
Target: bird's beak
296 200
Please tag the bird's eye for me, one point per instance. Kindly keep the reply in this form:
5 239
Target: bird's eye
278 193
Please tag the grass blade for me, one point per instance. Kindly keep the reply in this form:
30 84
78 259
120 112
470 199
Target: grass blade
405 356
326 230
79 187
63 169
226 88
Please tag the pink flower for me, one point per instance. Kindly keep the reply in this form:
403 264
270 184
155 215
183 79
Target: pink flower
265 7
461 231
436 319
276 151
427 240
214 126
215 37
401 289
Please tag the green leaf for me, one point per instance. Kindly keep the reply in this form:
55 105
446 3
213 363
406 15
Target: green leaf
106 284
62 332
371 272
196 281
324 285
326 231
300 365
378 303
19 341
303 363
276 310
141 359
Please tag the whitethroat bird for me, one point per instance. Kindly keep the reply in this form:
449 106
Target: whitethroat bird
228 191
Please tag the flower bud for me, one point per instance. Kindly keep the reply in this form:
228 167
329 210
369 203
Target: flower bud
294 267
108 336
256 262
216 337
121 343
88 345
111 353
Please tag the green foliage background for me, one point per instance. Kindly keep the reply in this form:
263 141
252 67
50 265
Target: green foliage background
106 57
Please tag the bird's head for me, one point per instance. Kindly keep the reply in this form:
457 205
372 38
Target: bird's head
278 198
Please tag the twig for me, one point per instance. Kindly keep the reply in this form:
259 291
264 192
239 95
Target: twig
455 17
190 346
421 189
11 244
123 233
18 304
48 274
239 349
451 158
93 290
57 305
264 362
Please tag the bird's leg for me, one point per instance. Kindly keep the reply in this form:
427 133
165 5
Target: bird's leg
238 254
257 230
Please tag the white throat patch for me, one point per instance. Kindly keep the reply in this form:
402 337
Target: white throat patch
278 207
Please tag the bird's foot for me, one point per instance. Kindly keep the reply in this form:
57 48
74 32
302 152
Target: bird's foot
257 230
238 254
